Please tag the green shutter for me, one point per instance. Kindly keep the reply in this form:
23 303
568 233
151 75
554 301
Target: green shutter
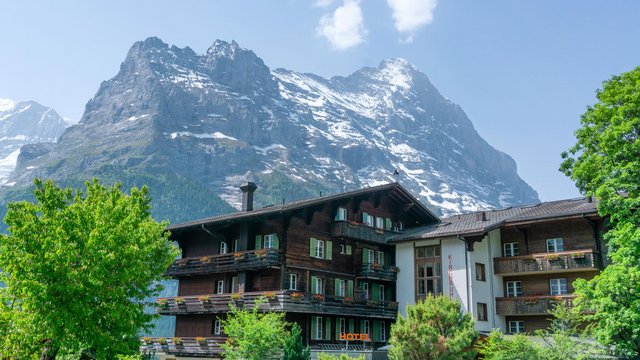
365 260
365 216
258 242
337 329
389 294
336 286
276 241
349 250
312 247
327 328
329 250
375 292
376 331
387 224
350 288
314 281
314 326
352 326
361 331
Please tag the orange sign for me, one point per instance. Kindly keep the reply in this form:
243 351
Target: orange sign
351 337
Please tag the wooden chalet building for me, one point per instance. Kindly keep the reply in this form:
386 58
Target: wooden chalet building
325 262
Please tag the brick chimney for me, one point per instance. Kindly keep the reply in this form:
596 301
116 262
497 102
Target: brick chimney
247 196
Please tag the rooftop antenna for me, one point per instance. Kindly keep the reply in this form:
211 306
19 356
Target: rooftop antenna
396 174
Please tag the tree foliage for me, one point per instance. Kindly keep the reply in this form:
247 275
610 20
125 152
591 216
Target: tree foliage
605 163
294 349
253 335
435 328
77 266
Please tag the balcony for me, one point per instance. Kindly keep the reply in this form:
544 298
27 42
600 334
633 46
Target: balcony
530 305
360 231
206 347
568 261
238 261
378 272
278 301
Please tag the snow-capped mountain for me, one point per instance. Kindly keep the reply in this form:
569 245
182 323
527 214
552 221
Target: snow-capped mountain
24 122
194 126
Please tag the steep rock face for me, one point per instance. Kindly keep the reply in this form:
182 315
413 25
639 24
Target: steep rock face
196 126
25 122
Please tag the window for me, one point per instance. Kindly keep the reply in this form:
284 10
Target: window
217 327
317 329
341 215
341 288
235 245
480 274
555 245
342 326
220 287
379 223
317 285
364 286
558 286
365 327
234 284
516 327
381 293
368 256
320 249
367 219
429 270
514 288
482 312
380 257
345 249
511 249
223 248
293 281
383 331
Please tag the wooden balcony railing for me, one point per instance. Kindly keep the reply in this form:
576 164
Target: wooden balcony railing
530 305
188 346
278 301
238 261
378 272
360 232
579 260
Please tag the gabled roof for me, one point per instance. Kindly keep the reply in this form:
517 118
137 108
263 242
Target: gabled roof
472 223
274 210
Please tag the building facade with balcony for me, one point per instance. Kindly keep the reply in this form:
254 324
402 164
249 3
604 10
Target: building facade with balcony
507 267
325 262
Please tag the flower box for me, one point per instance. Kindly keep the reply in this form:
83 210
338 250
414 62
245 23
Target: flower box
205 259
205 299
236 296
578 256
200 340
147 340
177 341
162 341
270 295
180 301
296 296
317 298
347 300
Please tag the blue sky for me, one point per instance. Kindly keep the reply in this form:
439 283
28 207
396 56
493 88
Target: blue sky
523 71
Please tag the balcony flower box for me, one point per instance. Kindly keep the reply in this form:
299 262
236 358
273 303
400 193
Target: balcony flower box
347 300
393 305
296 296
529 259
205 259
177 340
205 299
236 297
162 341
147 340
260 254
553 257
201 341
373 303
317 298
270 295
238 256
180 302
578 256
531 301
162 303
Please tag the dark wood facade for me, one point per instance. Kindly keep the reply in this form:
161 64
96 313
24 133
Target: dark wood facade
333 247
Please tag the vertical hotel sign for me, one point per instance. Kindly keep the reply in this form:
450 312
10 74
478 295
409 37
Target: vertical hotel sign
450 274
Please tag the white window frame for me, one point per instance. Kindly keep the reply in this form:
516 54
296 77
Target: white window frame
560 285
552 245
485 309
371 256
383 331
235 245
367 219
318 330
343 249
341 214
293 281
319 249
514 288
342 326
380 255
511 249
342 288
381 289
220 287
268 241
517 325
217 327
379 223
367 328
223 248
319 286
234 284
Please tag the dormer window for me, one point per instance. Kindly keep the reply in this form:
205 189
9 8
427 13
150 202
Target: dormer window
341 214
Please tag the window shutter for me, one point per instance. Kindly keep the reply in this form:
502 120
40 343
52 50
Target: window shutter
352 326
375 291
365 259
349 250
337 329
312 247
328 250
314 281
350 288
327 328
314 327
387 224
365 218
258 242
275 241
361 326
376 330
388 260
336 286
389 294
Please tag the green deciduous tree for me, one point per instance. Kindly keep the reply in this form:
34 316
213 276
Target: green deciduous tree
435 328
293 347
253 335
605 163
77 266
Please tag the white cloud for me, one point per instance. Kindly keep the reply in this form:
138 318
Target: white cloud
345 27
322 3
411 15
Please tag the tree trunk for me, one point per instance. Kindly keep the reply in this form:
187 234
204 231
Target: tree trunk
49 351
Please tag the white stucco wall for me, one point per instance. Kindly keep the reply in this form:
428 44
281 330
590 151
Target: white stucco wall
453 249
405 285
497 281
482 289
